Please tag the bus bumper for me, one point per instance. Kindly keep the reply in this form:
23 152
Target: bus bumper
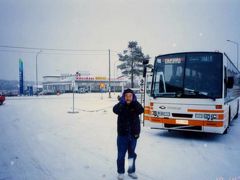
208 128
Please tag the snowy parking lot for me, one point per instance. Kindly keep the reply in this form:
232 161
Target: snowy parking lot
40 140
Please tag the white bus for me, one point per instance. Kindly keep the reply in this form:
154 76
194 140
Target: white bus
192 91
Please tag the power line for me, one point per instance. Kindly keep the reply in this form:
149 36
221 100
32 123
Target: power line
76 54
53 53
17 51
49 49
52 49
115 51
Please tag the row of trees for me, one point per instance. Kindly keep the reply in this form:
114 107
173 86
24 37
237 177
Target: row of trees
132 61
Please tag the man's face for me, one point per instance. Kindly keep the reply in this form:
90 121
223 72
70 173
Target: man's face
128 97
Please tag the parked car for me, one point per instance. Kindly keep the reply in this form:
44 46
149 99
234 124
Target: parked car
49 92
2 99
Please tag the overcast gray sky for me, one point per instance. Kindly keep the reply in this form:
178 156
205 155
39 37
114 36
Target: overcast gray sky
159 26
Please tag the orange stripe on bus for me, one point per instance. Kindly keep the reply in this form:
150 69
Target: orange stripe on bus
147 111
190 122
205 111
160 120
220 116
213 124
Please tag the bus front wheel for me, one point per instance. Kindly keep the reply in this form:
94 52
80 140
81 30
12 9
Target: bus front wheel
236 116
229 121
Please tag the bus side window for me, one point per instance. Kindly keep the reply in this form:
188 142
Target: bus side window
156 84
225 81
148 83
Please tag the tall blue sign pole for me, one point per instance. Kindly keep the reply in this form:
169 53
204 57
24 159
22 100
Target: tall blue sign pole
21 86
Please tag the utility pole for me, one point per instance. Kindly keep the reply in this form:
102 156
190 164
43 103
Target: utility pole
37 71
109 74
114 73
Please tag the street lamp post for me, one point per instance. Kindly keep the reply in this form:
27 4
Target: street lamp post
109 74
37 71
237 45
114 75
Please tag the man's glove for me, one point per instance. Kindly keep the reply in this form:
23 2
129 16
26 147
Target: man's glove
136 136
122 101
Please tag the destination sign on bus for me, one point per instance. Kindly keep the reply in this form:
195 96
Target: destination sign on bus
175 60
208 58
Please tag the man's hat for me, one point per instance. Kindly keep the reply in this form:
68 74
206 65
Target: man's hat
128 91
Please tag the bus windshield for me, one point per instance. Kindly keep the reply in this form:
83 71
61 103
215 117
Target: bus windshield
188 75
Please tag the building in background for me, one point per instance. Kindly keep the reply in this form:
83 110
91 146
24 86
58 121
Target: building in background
82 82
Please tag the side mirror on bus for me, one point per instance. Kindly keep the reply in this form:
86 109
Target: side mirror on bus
144 71
230 82
145 62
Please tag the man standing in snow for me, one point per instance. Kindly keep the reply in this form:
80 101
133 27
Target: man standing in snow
128 127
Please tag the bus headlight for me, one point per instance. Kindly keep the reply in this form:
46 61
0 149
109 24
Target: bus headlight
166 113
213 116
160 113
210 116
199 116
206 116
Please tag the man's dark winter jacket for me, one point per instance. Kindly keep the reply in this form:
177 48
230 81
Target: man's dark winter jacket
128 116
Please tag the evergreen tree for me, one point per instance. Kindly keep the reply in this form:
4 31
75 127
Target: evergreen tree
132 61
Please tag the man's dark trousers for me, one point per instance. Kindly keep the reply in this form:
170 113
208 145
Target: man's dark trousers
124 144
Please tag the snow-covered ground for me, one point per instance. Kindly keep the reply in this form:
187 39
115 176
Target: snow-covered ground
40 140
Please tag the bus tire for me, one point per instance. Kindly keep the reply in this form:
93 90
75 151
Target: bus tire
229 122
225 131
236 116
229 117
